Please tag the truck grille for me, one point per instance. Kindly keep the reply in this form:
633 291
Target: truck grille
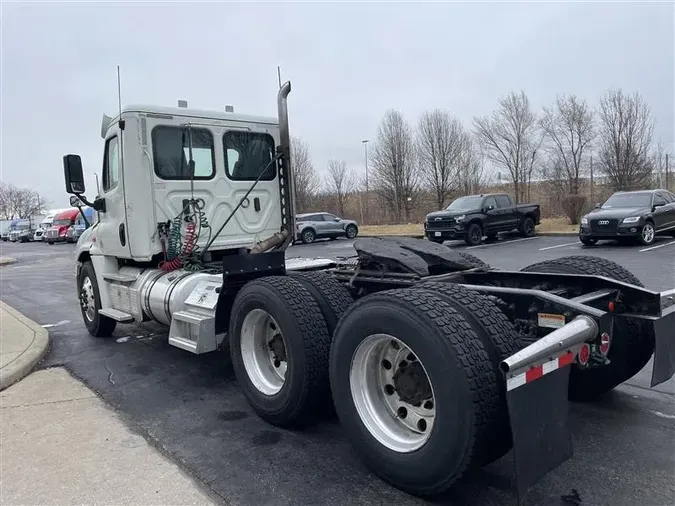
443 223
607 226
51 234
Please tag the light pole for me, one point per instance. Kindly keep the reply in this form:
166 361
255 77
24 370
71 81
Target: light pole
365 147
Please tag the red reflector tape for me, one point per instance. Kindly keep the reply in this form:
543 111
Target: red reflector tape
537 372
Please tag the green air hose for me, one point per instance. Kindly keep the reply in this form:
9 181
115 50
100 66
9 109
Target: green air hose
173 249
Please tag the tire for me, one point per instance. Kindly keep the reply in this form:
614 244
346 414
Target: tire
331 296
455 362
500 340
474 260
527 228
97 324
51 243
632 341
351 231
473 235
647 234
308 236
588 241
304 392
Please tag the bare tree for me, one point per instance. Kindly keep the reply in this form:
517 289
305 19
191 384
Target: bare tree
471 175
441 143
340 182
568 129
306 181
625 129
395 172
20 203
658 161
510 139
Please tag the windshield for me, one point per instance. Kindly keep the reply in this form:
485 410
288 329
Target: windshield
628 200
60 223
465 204
23 226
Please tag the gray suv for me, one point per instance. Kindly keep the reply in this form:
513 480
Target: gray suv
310 226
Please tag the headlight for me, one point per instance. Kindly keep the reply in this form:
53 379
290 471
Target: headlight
632 219
584 221
460 218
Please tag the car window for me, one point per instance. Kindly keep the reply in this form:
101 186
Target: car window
659 200
110 165
490 201
317 217
330 217
503 201
668 196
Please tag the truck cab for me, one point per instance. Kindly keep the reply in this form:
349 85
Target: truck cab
60 225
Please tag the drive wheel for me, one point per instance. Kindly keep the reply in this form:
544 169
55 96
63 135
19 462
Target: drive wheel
308 236
632 341
473 235
413 387
90 303
647 234
279 345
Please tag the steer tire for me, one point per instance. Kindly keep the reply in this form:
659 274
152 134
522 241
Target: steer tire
99 325
632 341
331 295
474 260
305 390
473 235
462 379
500 340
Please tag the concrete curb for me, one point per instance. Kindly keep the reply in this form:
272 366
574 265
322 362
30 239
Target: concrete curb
22 365
7 260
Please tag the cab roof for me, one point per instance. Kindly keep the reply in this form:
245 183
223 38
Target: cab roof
198 113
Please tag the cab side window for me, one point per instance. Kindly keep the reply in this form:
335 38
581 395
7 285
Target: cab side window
503 201
490 201
111 164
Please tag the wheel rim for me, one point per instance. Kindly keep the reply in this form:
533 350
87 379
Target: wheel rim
88 300
648 233
309 236
475 234
351 232
529 228
263 352
392 393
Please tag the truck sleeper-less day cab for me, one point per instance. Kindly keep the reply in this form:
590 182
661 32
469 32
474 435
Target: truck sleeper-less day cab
60 225
435 363
476 216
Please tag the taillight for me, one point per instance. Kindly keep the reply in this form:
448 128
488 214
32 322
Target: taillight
605 343
584 354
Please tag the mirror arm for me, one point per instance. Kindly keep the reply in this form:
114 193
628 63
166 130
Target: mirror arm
98 204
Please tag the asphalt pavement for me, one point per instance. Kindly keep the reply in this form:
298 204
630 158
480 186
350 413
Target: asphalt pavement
192 409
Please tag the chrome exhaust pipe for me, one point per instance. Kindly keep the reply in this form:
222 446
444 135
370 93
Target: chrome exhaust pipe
285 146
572 335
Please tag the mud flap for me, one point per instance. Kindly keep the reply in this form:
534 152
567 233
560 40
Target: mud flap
541 438
664 350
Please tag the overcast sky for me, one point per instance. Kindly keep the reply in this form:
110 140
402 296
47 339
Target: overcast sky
348 64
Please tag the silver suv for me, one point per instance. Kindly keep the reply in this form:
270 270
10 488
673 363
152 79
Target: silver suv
310 226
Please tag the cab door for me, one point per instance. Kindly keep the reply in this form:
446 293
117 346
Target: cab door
112 231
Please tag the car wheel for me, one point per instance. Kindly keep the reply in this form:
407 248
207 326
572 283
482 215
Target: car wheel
527 228
588 241
308 236
351 231
474 234
647 234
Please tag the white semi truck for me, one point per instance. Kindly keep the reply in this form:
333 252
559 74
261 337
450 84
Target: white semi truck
434 362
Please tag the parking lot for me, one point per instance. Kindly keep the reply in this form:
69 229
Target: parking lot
191 408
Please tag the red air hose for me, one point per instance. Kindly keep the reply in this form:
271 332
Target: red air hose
188 246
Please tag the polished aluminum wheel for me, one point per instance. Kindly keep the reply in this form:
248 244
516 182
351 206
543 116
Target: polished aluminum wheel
648 233
263 352
392 393
87 299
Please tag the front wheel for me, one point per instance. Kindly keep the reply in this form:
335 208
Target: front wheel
474 234
90 303
308 236
351 231
647 234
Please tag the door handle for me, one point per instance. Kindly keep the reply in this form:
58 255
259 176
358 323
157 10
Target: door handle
123 238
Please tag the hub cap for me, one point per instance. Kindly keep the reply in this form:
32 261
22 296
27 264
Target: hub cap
87 299
263 352
392 393
648 233
309 236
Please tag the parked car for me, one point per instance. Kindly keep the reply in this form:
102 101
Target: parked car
62 221
311 226
475 216
636 215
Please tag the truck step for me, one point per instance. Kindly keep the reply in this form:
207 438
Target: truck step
121 278
187 317
116 315
183 344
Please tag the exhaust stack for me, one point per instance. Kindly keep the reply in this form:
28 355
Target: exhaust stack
572 335
288 198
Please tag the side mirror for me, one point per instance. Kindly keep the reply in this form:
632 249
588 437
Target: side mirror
75 201
72 169
659 204
489 208
598 205
336 219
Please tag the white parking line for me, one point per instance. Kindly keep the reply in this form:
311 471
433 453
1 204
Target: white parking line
560 245
657 246
503 242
